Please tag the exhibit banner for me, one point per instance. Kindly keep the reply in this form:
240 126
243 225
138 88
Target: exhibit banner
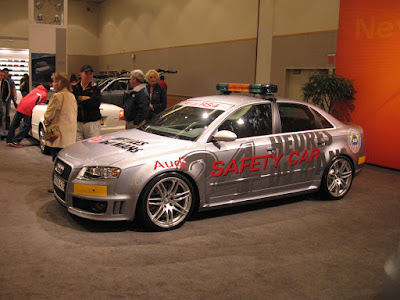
368 52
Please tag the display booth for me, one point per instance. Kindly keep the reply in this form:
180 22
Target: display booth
368 52
17 61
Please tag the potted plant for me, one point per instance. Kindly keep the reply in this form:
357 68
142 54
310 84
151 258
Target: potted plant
333 93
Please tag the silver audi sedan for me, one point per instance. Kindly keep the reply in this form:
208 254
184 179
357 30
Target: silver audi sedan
207 152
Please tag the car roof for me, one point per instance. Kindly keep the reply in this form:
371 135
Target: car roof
235 100
238 100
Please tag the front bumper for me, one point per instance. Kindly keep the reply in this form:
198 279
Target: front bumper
98 201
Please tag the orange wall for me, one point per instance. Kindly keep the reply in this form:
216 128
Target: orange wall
368 52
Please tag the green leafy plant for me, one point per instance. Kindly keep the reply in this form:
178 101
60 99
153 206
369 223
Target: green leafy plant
333 93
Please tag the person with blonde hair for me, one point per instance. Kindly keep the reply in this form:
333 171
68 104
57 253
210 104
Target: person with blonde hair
158 95
62 110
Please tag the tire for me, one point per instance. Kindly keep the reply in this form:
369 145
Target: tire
337 179
166 202
42 145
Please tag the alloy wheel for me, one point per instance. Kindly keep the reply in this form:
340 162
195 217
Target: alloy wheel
339 177
169 202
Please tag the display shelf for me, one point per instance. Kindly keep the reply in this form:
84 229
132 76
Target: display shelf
17 67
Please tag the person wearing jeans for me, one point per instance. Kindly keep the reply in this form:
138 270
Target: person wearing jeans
24 112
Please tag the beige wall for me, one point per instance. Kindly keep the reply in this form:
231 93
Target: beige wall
304 33
190 36
199 67
206 41
293 16
14 24
303 51
83 28
133 25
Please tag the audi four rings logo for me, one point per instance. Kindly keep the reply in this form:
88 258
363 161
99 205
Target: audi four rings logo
59 168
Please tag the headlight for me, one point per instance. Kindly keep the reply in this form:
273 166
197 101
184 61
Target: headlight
98 173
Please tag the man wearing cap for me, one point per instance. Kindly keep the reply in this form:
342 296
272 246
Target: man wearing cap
87 94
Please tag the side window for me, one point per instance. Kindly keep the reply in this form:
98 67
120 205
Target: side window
321 120
252 120
117 85
124 84
298 117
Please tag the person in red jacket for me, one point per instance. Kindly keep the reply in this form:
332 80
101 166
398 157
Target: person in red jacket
24 111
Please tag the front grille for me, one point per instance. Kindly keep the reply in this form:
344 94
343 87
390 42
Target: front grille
62 171
64 174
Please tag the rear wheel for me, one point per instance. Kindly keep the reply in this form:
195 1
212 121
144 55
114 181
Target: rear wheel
337 178
166 202
42 145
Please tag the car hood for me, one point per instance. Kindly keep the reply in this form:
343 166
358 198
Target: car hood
132 147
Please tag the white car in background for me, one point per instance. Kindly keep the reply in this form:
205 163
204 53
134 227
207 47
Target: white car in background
112 119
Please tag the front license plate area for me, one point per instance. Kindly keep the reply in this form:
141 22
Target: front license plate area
90 190
59 183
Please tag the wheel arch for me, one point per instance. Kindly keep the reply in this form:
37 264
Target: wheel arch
322 188
186 175
345 154
46 149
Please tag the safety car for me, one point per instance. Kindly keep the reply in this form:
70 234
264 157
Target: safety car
209 152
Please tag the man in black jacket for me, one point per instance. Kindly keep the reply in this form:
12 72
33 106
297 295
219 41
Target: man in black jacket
137 101
5 91
87 94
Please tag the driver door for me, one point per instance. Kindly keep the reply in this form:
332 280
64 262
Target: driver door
242 169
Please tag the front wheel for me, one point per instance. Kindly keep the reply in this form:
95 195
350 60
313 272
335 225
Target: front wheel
167 202
337 178
42 144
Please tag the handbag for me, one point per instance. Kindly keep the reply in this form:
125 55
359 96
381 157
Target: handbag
52 132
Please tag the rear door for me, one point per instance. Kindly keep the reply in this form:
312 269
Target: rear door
302 143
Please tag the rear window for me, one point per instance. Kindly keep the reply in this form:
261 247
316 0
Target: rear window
298 117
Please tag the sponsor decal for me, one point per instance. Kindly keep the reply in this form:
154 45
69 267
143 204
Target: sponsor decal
98 139
171 164
201 104
287 159
257 163
300 151
220 106
354 140
130 145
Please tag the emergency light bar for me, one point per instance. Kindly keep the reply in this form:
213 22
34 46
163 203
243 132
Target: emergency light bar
262 89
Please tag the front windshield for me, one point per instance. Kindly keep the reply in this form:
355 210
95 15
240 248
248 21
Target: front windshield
182 122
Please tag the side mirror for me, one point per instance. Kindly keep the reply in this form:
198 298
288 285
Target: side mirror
225 136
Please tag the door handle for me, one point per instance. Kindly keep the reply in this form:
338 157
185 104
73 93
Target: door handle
271 150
